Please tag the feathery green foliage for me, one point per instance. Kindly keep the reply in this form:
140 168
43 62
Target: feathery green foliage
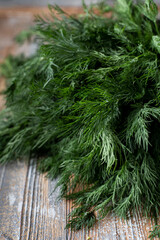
88 103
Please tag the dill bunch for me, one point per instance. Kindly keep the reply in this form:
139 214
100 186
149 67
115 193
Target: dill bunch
88 103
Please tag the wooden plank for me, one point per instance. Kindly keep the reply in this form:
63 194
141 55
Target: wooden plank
5 3
135 228
34 10
42 216
29 210
2 88
15 19
11 198
28 207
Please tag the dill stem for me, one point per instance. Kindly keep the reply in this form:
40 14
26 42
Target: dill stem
157 30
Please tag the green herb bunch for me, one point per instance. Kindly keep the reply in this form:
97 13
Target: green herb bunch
88 104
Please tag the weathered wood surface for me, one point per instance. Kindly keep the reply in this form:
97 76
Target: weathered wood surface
13 20
29 210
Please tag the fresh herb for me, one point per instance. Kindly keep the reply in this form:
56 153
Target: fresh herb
88 104
155 232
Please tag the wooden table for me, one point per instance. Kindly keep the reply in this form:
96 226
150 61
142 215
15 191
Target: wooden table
29 210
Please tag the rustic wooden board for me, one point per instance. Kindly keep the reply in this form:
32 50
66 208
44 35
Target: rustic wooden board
13 20
29 209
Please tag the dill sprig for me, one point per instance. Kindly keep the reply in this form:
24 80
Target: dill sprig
88 103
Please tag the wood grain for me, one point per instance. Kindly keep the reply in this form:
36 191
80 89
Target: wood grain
14 20
29 209
11 199
42 216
